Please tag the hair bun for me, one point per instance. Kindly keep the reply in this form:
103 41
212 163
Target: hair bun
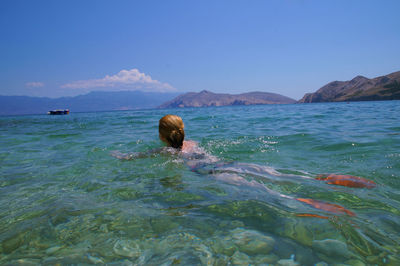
171 128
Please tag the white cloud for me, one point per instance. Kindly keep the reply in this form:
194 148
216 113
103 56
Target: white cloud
131 79
34 84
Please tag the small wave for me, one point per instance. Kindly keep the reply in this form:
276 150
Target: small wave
56 136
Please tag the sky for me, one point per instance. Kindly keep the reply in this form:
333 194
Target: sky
66 48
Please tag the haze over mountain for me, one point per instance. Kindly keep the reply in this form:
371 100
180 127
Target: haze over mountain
358 89
93 101
207 98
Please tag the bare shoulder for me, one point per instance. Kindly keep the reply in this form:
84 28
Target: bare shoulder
189 146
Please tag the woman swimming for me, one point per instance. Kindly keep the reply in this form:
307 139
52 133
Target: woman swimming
171 132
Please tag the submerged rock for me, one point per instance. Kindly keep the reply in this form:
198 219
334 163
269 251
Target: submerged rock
127 248
178 248
266 259
71 259
224 246
287 262
297 230
393 260
23 262
13 243
332 248
252 242
95 260
221 261
52 250
240 258
355 263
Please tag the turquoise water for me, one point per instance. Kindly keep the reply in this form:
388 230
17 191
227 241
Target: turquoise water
65 200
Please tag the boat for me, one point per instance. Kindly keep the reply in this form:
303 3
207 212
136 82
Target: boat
58 112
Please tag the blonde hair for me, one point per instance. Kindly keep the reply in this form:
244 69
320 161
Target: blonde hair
171 129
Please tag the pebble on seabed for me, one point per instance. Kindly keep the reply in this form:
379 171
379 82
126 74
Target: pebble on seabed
95 260
287 262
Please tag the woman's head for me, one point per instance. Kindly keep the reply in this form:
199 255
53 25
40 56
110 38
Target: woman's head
171 131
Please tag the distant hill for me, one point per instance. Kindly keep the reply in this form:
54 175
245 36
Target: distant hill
207 98
358 89
93 101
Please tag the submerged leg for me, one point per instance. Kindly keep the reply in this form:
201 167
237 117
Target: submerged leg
329 207
347 181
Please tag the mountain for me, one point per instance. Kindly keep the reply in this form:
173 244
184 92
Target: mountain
207 98
93 101
358 89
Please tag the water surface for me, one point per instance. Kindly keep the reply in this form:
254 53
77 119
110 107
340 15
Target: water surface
66 200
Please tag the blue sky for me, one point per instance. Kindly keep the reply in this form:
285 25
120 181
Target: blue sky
64 48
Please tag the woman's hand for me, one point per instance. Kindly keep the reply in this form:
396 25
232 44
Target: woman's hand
122 156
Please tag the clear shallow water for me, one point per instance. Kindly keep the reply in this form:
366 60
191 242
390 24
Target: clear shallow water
66 200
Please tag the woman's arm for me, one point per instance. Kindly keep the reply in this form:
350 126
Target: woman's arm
135 155
123 156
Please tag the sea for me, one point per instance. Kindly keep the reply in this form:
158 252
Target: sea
65 200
